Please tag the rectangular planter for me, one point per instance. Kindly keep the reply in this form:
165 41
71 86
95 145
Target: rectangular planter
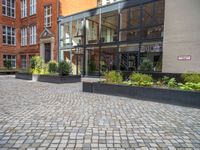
58 79
49 78
169 96
24 76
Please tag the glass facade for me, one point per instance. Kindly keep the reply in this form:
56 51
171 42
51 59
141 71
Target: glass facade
119 39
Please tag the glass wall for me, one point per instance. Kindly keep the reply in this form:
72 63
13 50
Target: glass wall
109 27
92 30
120 39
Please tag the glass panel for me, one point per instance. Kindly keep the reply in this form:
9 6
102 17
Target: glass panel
159 12
77 32
147 14
109 58
92 30
134 17
129 35
92 60
124 19
128 57
152 52
109 27
153 32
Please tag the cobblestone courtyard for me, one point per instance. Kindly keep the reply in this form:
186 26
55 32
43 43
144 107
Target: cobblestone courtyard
49 116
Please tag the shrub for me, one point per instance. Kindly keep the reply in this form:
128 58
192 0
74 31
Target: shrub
36 64
141 79
190 86
7 64
165 80
113 77
191 77
146 65
172 83
64 68
52 67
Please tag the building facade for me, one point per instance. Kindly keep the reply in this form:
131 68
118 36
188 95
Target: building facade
28 28
123 34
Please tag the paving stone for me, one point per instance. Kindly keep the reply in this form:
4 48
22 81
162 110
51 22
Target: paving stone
44 116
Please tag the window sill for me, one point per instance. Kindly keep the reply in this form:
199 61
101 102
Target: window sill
10 17
9 45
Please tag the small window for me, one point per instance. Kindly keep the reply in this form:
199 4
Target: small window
48 16
8 8
23 61
23 36
11 58
23 8
33 37
9 35
33 5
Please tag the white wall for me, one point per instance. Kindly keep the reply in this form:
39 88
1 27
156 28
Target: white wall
181 35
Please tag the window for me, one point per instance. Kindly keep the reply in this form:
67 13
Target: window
23 36
8 8
11 58
9 35
32 7
47 16
23 61
33 35
23 8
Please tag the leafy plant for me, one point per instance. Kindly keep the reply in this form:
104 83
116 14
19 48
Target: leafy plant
64 68
172 83
52 67
165 80
141 79
36 64
189 86
113 77
7 64
146 65
191 77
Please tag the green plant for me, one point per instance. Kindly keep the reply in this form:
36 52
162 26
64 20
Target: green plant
172 83
113 77
165 80
141 79
36 64
64 68
189 86
191 77
52 67
146 65
7 64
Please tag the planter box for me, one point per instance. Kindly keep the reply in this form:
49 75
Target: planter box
169 96
24 76
49 78
57 79
8 72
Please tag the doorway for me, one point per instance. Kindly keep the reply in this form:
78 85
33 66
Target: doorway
47 52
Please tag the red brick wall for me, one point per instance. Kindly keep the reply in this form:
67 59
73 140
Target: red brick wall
19 22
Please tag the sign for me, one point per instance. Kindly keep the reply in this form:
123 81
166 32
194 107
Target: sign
156 47
184 58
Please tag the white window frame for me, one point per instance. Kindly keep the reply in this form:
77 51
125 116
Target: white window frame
9 34
23 36
11 58
23 8
33 7
11 8
48 16
33 34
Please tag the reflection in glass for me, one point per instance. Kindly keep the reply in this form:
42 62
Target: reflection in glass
92 30
109 27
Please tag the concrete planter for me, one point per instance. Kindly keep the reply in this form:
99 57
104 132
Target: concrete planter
24 76
169 96
49 78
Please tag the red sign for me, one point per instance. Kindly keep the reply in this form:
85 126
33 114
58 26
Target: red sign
184 57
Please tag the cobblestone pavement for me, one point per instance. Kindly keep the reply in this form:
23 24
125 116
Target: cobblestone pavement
50 116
